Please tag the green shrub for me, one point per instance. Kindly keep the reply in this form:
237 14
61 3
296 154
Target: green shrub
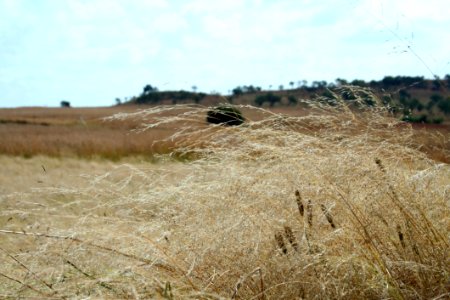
269 97
292 100
422 119
416 119
437 120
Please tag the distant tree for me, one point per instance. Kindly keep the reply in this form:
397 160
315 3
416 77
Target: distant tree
374 84
359 82
341 82
237 91
281 87
259 100
389 81
331 85
414 104
434 99
447 80
328 94
405 81
249 89
194 88
149 95
269 97
348 94
436 84
245 89
292 100
404 94
291 84
65 103
421 83
319 84
118 101
387 99
444 105
420 106
149 89
404 101
415 119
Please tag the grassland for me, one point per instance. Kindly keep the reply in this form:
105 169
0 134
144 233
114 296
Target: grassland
333 203
84 132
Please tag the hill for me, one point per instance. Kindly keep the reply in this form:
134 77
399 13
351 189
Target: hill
414 99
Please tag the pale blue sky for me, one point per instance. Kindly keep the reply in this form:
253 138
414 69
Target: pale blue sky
90 52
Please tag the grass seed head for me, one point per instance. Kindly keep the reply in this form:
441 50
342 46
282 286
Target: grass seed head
309 210
291 237
298 199
328 215
400 236
280 242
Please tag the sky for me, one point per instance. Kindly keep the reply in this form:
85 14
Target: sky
90 52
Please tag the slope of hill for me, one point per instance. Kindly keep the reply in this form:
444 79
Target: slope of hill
413 98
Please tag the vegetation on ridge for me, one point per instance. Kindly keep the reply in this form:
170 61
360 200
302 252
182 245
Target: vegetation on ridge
415 98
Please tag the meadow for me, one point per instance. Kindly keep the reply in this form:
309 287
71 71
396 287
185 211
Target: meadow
337 201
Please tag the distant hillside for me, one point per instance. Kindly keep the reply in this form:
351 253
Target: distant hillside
415 98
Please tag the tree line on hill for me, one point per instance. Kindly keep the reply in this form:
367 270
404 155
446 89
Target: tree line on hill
419 99
151 95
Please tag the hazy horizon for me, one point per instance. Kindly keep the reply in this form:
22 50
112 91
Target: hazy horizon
91 52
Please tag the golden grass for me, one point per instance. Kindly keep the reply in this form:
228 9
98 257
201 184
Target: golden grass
229 224
59 141
83 132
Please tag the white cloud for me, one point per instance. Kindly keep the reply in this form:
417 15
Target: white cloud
217 44
207 7
169 22
96 9
404 12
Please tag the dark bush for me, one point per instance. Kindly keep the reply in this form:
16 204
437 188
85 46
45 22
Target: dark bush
444 105
416 119
226 115
65 103
437 120
269 97
292 100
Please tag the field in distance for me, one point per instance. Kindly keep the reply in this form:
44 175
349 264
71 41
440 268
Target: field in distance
84 132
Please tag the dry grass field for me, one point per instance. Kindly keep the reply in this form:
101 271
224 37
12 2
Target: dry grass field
83 133
330 204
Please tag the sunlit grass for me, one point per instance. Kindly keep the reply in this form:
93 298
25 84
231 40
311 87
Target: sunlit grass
339 203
